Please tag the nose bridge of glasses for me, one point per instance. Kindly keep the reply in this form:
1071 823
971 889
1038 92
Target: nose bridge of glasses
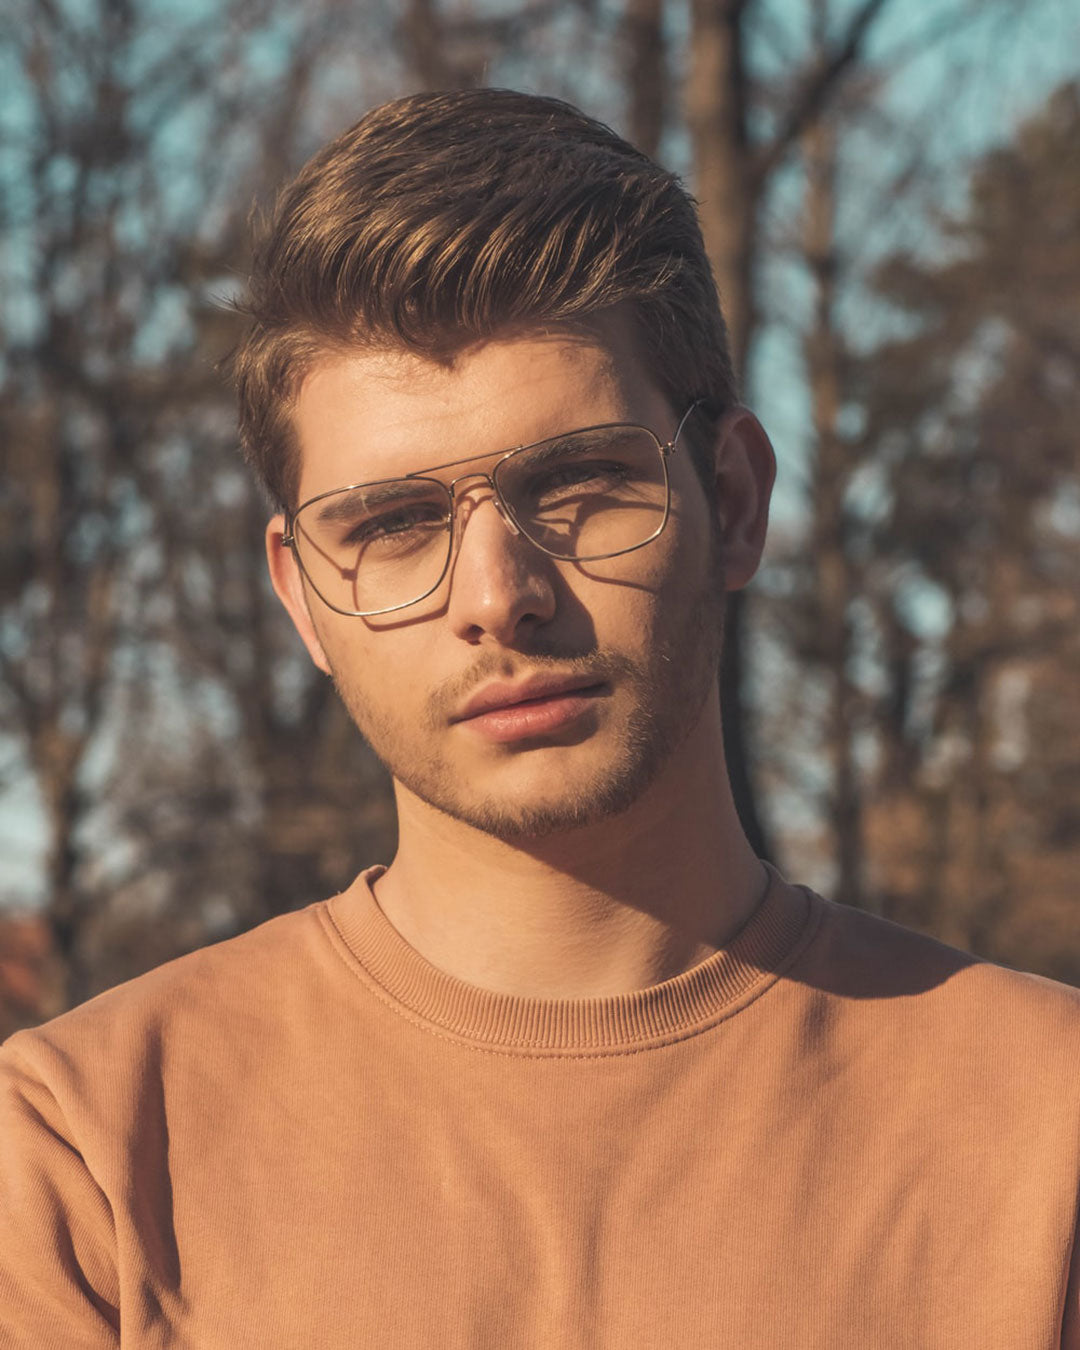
496 496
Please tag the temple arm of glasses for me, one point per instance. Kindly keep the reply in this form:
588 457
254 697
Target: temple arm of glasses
669 449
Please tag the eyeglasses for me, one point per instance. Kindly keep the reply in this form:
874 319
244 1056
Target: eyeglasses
372 548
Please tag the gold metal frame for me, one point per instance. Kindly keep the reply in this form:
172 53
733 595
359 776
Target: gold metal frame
666 449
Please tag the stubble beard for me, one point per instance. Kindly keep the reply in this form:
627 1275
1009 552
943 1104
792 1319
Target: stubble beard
668 693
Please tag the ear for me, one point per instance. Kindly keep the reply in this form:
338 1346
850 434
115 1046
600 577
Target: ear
744 470
289 586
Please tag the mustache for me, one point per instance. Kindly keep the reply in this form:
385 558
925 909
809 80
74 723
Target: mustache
595 665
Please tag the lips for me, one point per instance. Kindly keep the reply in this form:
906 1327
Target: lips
502 696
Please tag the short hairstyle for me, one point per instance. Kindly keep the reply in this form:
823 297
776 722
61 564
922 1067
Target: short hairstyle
442 219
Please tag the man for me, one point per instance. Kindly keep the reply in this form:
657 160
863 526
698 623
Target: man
576 1069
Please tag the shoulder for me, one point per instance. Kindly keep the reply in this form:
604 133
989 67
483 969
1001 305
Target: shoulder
111 1091
865 959
239 978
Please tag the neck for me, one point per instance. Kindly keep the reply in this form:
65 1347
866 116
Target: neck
605 909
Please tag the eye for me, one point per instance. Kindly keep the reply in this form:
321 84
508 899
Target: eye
596 470
401 525
594 476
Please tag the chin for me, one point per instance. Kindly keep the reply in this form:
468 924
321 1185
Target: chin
516 824
524 811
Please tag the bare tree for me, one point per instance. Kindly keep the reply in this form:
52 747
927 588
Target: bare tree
733 169
116 235
972 416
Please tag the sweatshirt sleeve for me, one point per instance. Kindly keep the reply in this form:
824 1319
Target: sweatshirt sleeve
58 1274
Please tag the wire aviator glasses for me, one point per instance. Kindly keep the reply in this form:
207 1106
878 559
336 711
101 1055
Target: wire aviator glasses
598 492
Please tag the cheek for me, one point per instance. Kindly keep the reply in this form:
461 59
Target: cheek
680 562
631 601
368 667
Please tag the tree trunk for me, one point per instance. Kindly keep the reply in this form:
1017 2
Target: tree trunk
716 114
646 73
829 479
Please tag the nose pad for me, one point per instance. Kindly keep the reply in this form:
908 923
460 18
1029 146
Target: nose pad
508 520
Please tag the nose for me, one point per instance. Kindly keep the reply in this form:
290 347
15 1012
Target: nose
501 585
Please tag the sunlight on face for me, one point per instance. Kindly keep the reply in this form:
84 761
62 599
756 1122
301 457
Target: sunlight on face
642 631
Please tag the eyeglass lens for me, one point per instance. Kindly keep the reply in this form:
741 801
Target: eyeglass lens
591 494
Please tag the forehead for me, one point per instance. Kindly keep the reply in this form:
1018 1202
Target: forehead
362 415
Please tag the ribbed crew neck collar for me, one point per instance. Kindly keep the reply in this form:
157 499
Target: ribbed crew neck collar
779 927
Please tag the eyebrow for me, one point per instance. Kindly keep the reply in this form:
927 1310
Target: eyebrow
572 442
343 505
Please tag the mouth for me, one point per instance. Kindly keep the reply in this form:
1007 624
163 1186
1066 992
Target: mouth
535 708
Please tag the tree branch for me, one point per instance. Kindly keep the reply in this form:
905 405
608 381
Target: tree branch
817 89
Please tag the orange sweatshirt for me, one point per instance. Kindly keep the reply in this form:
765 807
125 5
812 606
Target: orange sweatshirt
833 1133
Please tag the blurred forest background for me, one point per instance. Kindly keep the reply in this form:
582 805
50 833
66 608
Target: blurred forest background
891 199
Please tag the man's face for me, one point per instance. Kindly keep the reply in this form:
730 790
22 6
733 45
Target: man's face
627 647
